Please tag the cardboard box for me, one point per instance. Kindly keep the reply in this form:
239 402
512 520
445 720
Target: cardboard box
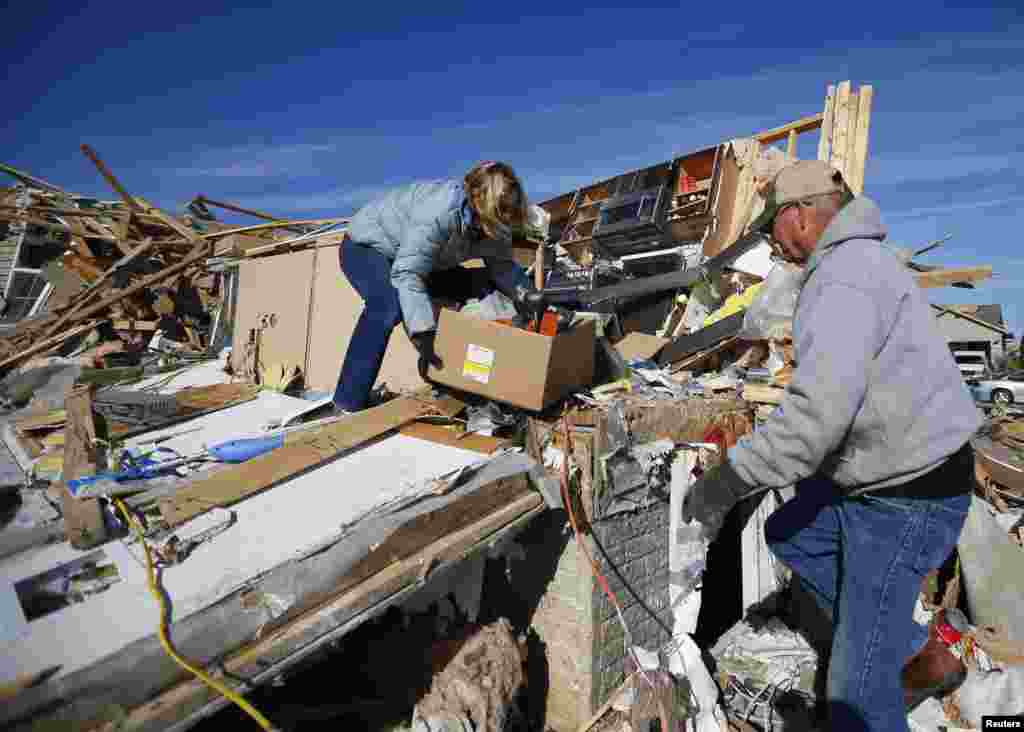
510 365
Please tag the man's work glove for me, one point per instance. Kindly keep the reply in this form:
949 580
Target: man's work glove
712 497
424 343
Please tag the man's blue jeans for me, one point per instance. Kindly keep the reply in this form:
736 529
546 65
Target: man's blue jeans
863 560
369 272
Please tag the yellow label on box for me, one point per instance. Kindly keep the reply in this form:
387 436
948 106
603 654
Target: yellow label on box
478 364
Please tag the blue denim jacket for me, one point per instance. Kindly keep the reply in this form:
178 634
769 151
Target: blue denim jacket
424 227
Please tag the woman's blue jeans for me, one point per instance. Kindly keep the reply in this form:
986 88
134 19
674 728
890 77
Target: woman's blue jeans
369 272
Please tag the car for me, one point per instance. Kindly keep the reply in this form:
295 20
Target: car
1004 390
973 364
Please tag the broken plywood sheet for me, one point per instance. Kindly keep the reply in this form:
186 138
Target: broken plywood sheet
270 529
275 292
336 308
238 482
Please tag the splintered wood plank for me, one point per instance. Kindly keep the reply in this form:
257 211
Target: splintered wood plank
215 396
946 277
840 127
825 142
859 158
851 134
443 435
83 519
304 451
114 183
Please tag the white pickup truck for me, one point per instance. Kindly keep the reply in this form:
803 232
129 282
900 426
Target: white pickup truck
973 364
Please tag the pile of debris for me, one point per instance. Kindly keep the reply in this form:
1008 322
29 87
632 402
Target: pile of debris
158 392
106 282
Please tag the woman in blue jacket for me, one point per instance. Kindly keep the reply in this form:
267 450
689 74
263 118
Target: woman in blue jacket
410 241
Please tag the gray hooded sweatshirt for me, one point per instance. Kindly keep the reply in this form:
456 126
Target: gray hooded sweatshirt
876 399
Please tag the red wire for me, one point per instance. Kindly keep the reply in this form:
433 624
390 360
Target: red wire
598 576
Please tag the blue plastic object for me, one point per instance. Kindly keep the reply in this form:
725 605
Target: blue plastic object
238 451
139 468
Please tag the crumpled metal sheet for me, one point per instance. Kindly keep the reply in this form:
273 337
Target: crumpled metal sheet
636 478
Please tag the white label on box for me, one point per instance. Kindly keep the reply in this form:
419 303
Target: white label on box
478 364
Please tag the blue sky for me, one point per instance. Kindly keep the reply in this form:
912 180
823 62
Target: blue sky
308 109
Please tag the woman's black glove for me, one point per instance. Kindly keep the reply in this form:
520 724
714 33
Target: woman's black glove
530 305
424 343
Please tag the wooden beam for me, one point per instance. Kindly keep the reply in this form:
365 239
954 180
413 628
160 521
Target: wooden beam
781 133
233 484
859 160
237 209
114 183
825 142
972 319
840 127
269 226
83 519
953 275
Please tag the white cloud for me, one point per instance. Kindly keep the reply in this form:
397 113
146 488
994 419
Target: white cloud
257 161
340 199
929 211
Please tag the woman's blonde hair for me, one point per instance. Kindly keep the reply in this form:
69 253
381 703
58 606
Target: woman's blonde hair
497 196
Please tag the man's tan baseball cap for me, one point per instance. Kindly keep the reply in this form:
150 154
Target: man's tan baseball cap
796 182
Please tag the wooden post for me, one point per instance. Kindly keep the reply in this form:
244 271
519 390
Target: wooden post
83 518
538 268
840 127
105 172
825 142
791 146
851 134
860 144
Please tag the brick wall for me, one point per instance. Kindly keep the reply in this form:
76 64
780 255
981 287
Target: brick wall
637 545
574 619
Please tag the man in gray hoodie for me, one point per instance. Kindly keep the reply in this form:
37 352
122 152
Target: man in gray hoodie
874 429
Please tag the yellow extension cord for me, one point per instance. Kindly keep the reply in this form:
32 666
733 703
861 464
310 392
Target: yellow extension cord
198 673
